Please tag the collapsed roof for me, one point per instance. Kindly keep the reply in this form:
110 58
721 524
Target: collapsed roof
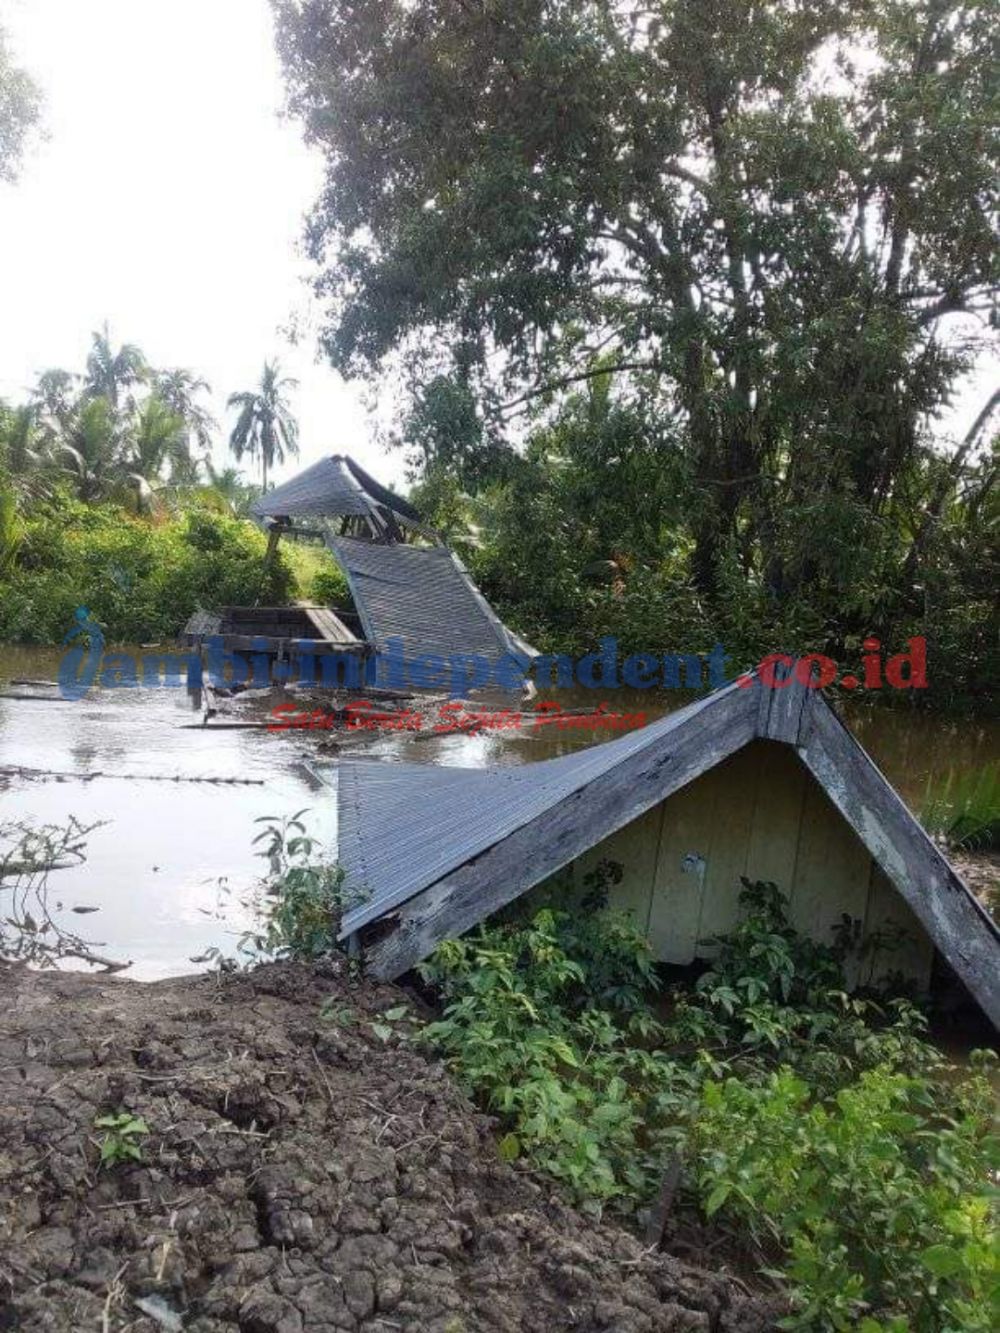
419 595
334 487
430 852
423 597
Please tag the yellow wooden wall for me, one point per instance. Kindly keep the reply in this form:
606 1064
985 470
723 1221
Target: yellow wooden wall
760 814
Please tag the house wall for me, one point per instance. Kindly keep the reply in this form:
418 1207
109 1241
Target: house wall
761 814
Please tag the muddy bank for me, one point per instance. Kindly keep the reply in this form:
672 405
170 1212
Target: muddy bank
981 871
302 1173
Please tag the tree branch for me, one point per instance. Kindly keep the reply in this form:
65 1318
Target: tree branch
564 381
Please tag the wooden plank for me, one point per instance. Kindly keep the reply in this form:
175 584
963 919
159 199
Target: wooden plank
774 835
887 911
781 709
544 845
963 931
659 1214
635 849
832 870
689 822
328 625
734 785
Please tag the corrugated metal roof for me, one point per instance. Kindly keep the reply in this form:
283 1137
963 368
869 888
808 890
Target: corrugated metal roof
333 487
401 827
423 596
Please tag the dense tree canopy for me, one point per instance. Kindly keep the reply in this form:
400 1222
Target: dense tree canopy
122 430
768 212
771 224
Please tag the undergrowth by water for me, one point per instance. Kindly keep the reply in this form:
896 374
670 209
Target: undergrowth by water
815 1125
963 809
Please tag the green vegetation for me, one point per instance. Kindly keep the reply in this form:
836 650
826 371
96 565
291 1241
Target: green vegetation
680 306
303 892
124 431
817 1125
109 499
122 1137
140 578
964 809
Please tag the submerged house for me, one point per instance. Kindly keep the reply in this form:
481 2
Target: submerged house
749 781
408 588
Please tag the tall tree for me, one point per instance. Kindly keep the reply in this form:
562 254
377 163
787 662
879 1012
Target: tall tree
181 390
227 489
265 427
113 373
20 445
775 219
20 108
159 440
89 451
53 397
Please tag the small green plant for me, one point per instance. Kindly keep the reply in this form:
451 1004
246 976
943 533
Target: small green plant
304 897
120 1141
385 1029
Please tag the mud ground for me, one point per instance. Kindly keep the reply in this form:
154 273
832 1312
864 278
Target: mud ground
302 1173
981 871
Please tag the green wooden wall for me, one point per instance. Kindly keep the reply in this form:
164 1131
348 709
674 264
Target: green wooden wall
760 814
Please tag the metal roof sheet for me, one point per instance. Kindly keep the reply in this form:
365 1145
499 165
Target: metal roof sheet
423 596
333 487
401 827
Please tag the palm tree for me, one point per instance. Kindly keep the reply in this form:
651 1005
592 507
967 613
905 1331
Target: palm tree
19 444
90 449
180 390
54 397
265 425
227 490
110 373
159 437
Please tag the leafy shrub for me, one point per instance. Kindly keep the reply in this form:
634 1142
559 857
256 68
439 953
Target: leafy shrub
141 579
304 895
820 1124
329 588
879 1197
524 1027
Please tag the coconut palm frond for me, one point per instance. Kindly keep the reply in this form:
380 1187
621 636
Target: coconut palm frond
265 427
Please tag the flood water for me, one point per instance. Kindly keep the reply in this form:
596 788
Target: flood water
172 871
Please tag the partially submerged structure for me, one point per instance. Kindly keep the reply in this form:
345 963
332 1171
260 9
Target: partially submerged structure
409 590
286 631
749 781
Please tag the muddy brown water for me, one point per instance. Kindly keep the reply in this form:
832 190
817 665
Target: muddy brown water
172 870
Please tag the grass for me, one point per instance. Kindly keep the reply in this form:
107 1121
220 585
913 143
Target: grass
963 809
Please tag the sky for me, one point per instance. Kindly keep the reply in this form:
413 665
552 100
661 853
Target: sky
168 199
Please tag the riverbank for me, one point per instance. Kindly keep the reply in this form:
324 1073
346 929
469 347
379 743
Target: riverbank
304 1171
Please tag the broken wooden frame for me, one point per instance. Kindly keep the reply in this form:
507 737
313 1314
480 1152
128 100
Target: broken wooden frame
702 737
